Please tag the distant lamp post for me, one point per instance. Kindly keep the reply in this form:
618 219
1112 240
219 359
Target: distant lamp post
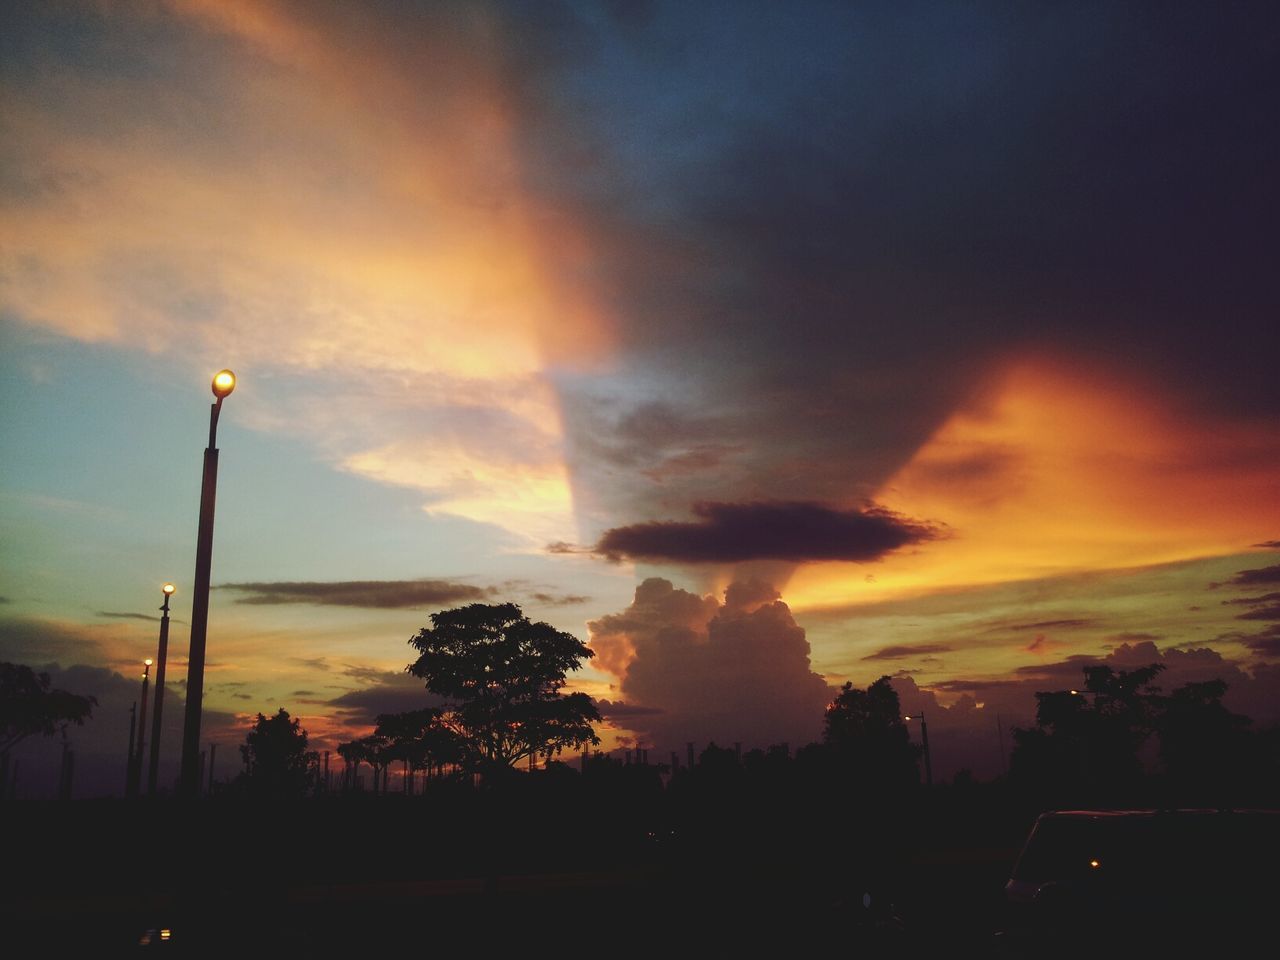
924 739
135 773
162 654
128 770
224 381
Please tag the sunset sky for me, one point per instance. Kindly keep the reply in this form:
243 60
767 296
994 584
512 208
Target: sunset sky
764 346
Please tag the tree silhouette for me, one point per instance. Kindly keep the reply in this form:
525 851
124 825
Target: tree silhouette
370 750
418 738
502 676
29 705
275 757
865 731
1202 743
1090 739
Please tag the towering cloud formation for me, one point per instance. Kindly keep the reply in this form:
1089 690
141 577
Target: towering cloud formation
732 672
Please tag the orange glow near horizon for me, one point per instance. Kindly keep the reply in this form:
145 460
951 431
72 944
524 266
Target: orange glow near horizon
1058 473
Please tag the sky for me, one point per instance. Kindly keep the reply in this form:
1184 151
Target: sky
764 347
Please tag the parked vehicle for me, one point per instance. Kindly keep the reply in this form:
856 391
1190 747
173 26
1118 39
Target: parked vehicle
1093 879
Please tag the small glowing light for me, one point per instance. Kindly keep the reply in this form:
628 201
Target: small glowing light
147 661
1075 693
168 589
224 381
166 934
906 718
1094 864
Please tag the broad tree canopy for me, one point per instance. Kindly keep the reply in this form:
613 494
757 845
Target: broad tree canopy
502 675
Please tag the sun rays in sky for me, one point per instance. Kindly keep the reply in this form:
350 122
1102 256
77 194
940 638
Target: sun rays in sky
553 303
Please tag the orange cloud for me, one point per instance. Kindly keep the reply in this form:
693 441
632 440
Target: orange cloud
328 201
1058 471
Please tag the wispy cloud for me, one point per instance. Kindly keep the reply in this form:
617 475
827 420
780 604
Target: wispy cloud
1051 625
901 652
373 594
559 599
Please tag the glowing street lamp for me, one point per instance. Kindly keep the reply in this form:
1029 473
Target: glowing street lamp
162 654
135 775
224 381
924 737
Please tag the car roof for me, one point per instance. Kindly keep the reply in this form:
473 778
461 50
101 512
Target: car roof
1175 812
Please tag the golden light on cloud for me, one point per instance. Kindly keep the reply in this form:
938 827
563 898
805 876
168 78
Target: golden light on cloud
1057 472
532 500
328 203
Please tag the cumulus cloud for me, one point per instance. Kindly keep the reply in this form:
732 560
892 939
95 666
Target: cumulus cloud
973 730
375 594
777 530
732 672
1249 692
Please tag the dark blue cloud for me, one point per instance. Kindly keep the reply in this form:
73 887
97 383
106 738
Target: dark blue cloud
786 530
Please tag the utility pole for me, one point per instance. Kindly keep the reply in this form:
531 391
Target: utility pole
162 655
189 786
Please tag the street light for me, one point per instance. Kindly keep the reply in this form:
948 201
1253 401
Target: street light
224 381
924 737
135 774
162 654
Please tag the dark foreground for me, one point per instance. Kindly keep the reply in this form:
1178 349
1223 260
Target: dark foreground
484 875
481 874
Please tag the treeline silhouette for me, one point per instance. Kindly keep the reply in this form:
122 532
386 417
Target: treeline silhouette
774 841
1116 741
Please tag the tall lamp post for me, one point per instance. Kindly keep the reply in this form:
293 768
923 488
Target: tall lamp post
924 739
162 654
224 381
135 774
128 769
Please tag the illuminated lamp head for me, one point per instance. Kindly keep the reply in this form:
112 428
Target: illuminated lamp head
168 589
224 381
147 661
